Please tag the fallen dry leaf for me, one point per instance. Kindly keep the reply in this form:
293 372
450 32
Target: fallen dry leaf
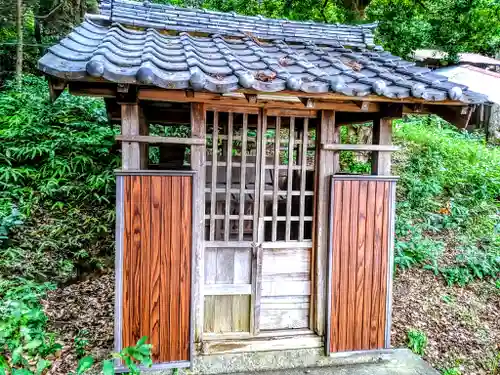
264 77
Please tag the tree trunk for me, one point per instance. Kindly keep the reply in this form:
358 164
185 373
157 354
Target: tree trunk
493 130
19 50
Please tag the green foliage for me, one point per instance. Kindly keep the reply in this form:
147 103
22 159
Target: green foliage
132 357
57 162
140 354
417 341
450 25
447 201
24 343
81 343
451 371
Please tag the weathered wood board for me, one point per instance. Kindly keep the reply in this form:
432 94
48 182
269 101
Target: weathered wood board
286 288
156 264
360 258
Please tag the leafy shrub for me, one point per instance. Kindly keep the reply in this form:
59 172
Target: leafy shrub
57 162
131 356
81 343
24 342
417 341
451 371
447 201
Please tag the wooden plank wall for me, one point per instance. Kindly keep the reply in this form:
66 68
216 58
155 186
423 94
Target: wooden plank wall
157 264
286 288
227 290
359 263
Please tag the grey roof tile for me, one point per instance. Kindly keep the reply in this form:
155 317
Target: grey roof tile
320 61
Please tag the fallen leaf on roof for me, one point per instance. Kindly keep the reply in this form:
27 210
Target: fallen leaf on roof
253 37
265 77
217 76
284 61
354 65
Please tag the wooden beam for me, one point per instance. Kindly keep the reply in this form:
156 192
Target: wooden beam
227 289
56 88
391 110
353 147
291 112
240 100
122 88
198 163
144 132
382 135
308 102
363 106
131 155
160 140
105 90
251 98
327 164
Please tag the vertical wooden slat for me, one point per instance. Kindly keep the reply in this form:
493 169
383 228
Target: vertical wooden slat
185 282
198 162
243 170
337 230
131 151
377 259
369 248
174 265
229 157
135 280
258 224
275 178
383 265
291 145
382 135
352 267
165 270
145 252
127 271
360 264
259 169
156 220
303 165
327 164
344 265
213 194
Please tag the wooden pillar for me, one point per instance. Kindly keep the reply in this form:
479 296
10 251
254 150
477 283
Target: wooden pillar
134 154
382 135
327 165
198 164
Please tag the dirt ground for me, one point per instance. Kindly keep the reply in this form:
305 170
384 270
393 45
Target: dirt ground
462 324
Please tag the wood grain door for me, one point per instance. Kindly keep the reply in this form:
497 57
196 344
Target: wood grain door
154 264
360 261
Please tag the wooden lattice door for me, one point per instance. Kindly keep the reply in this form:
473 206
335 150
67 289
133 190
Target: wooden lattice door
258 215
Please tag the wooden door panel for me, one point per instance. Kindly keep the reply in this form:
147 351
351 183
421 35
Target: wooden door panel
361 236
156 264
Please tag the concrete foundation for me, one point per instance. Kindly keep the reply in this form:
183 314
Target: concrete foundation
311 362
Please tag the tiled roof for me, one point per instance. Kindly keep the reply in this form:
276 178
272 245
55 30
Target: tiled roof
226 63
168 17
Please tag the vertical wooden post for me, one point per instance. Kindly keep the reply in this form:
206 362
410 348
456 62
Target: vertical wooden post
198 164
382 135
143 147
134 154
327 165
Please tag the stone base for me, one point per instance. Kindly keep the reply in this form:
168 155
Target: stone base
312 362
